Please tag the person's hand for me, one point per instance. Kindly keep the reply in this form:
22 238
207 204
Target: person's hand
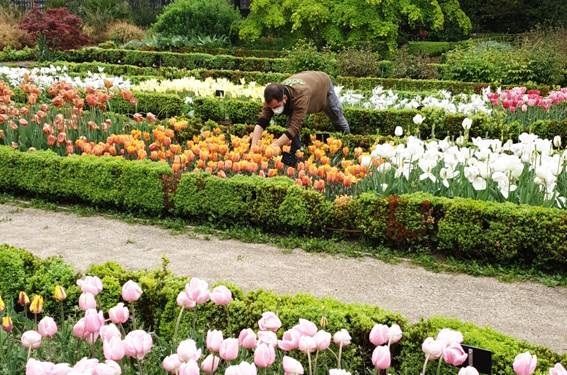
275 149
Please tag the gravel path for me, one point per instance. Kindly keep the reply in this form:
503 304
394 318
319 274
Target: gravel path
525 310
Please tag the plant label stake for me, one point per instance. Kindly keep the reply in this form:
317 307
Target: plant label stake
480 359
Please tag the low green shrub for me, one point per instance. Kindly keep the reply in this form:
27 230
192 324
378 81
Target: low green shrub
113 182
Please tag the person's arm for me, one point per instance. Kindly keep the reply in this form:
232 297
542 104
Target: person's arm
263 122
295 121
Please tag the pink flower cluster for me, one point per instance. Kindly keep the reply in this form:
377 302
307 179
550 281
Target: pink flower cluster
520 98
84 366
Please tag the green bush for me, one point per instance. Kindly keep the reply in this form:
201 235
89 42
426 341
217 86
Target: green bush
115 182
17 266
504 63
190 18
359 63
304 56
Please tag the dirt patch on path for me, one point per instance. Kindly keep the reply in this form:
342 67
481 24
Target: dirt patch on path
527 311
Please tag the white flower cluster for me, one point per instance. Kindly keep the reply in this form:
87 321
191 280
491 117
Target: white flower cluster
44 77
509 165
388 99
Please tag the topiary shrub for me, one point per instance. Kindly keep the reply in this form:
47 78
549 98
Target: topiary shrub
191 18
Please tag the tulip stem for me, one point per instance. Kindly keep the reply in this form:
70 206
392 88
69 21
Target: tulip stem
425 365
177 325
340 355
141 368
439 367
133 316
29 352
309 360
315 365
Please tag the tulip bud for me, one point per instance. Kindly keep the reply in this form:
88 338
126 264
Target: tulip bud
36 306
59 294
7 324
323 322
23 299
2 305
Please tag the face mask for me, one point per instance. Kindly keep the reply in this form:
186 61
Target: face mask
279 110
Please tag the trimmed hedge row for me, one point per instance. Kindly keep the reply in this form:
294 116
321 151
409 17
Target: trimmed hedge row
158 311
115 182
175 59
505 233
368 121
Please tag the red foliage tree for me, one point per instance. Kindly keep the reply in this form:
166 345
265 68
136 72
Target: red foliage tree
60 27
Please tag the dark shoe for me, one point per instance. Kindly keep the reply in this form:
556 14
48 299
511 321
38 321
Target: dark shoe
289 159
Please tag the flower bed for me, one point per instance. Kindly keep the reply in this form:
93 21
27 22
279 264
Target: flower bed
115 304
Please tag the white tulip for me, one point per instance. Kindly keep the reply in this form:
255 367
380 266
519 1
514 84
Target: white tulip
557 141
398 132
467 123
418 119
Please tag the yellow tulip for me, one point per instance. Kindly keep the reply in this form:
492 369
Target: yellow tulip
59 293
36 306
7 324
23 299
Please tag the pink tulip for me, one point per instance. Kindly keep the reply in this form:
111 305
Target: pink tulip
381 358
269 322
119 314
90 284
221 295
449 336
247 338
85 366
87 301
61 369
307 344
109 331
380 334
395 333
432 348
184 301
454 355
267 337
31 339
131 291
229 349
342 338
113 349
137 344
171 363
197 290
322 340
525 364
264 355
79 329
558 369
210 364
93 321
108 368
306 327
187 351
214 340
290 340
292 366
189 368
469 370
35 367
47 327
